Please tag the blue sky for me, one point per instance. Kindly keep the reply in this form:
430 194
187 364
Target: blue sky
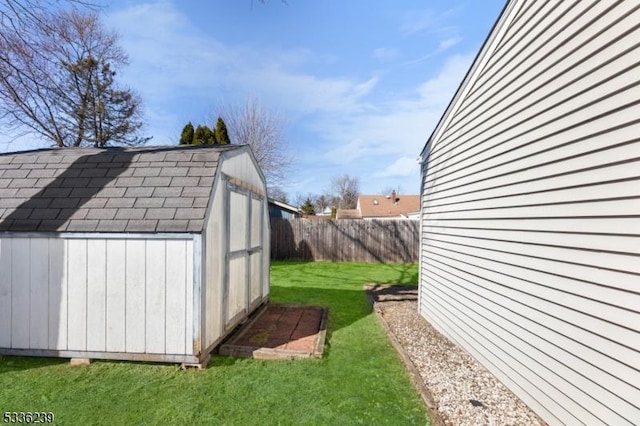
361 83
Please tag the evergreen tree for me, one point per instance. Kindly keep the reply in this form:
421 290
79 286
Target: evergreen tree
221 134
209 136
186 137
203 135
308 207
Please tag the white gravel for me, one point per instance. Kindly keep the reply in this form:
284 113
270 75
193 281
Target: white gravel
457 389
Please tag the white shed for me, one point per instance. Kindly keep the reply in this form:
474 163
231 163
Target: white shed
152 253
530 245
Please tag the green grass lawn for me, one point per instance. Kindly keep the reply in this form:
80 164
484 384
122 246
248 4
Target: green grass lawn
360 379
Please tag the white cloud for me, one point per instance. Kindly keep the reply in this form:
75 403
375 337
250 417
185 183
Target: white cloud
399 126
171 62
417 21
357 130
448 43
385 54
403 166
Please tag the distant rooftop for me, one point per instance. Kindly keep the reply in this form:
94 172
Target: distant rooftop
386 206
142 189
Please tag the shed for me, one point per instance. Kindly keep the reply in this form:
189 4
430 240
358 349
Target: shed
149 253
530 234
280 210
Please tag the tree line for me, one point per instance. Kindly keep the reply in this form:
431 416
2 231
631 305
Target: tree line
254 124
342 193
203 135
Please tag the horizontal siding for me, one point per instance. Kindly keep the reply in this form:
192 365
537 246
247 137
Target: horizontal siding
96 295
530 242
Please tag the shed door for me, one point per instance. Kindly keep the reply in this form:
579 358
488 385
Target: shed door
244 266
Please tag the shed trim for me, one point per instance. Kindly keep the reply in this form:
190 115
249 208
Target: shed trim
198 279
101 236
124 356
241 186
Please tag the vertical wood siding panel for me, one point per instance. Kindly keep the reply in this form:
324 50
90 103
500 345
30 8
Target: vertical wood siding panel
256 277
189 320
77 295
6 274
116 296
237 287
155 296
135 295
20 293
213 255
39 297
97 295
257 222
58 291
176 278
266 248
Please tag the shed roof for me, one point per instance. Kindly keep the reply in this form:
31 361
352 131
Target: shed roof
142 189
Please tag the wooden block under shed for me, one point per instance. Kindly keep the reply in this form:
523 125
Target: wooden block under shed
79 361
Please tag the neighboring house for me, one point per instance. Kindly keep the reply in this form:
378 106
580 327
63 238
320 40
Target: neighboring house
280 210
149 253
325 212
391 206
530 240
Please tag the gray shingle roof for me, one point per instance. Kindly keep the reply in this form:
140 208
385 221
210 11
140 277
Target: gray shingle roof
144 189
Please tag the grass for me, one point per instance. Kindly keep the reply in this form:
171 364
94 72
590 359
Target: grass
360 380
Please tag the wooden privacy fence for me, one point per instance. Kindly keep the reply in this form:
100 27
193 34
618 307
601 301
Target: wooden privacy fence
357 240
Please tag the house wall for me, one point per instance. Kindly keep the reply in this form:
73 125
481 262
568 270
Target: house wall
128 298
531 195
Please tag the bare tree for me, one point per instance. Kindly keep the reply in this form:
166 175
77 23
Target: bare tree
57 78
322 201
347 189
264 131
279 195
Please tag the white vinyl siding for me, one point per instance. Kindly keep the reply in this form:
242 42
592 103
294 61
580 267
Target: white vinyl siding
97 295
531 205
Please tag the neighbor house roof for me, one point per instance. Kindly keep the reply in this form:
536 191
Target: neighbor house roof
386 206
143 189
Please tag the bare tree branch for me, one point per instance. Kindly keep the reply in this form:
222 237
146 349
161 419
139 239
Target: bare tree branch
264 131
56 77
346 189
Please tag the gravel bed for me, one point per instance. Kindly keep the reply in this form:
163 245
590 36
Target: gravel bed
456 388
